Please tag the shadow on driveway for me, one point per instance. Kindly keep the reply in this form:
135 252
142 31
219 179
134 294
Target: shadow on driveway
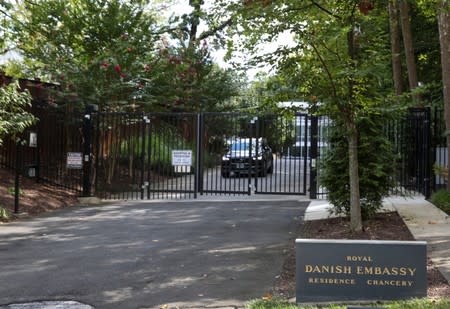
142 255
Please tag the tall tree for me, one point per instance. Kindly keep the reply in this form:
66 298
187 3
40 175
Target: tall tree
395 46
443 16
340 57
408 44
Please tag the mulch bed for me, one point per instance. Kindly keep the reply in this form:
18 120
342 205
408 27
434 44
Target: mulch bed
34 198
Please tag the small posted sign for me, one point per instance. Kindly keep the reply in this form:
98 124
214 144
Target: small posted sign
74 160
181 157
32 140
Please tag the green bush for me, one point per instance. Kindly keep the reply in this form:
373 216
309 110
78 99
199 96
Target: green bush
376 167
12 191
424 303
441 199
4 213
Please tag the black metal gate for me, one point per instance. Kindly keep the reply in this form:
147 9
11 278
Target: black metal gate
133 155
290 141
245 154
168 155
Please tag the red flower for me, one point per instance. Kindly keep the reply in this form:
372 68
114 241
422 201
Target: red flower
130 49
123 75
117 68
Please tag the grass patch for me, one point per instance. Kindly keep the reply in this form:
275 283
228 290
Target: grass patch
441 199
407 304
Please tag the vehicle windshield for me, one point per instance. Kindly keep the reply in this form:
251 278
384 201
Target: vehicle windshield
242 146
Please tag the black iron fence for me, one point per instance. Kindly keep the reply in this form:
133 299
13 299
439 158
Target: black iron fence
411 139
169 155
439 150
43 151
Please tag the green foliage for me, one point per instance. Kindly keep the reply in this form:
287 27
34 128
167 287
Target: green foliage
91 48
5 214
441 171
424 303
160 150
186 80
13 115
163 141
273 304
116 55
376 167
12 191
441 199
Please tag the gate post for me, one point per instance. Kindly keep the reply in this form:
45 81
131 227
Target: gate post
87 155
428 157
198 179
19 166
144 185
313 158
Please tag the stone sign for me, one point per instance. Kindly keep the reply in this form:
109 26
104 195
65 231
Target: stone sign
335 270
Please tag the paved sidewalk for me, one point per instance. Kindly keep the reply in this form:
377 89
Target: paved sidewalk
425 221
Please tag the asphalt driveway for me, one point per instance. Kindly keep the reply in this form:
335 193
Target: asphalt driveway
143 255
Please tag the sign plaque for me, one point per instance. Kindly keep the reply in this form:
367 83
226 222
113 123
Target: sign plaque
32 142
341 270
181 157
74 160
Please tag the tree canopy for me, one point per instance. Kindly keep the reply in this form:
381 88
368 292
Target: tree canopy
118 55
341 58
14 117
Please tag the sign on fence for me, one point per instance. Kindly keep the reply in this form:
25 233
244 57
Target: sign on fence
32 140
74 160
341 270
181 157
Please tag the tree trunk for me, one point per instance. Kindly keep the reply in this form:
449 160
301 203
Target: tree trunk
408 44
443 15
355 203
352 138
394 28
